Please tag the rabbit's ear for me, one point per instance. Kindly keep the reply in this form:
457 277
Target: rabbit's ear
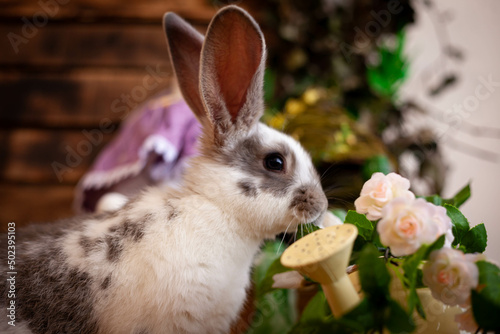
184 45
232 73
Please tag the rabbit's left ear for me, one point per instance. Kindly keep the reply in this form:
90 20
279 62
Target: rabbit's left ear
232 73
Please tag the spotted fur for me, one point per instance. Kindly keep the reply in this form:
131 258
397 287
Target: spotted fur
177 260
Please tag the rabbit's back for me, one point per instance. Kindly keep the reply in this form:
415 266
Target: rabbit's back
135 271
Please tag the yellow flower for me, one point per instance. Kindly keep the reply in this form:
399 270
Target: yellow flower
312 95
277 121
294 107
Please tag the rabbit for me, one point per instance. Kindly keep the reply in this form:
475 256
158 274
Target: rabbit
177 260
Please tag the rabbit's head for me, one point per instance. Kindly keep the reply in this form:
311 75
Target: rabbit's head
262 177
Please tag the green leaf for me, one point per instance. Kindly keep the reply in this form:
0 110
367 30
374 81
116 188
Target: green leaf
373 274
265 286
460 224
410 267
438 244
387 76
316 309
271 251
378 163
327 326
489 279
362 317
474 241
365 227
312 327
434 199
486 302
485 312
457 200
275 313
462 196
397 320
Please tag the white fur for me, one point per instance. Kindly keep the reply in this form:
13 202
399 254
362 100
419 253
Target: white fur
111 202
184 276
188 270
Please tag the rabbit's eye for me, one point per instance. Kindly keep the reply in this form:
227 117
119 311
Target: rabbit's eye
274 162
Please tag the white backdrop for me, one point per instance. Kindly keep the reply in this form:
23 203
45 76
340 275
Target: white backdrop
474 100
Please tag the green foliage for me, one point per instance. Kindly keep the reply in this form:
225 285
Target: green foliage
460 198
265 285
305 229
471 240
398 320
274 314
373 274
365 227
274 309
378 163
475 240
375 312
271 251
387 76
413 275
378 309
316 309
486 302
460 224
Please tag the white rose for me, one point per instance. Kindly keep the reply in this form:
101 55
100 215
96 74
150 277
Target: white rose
408 223
378 191
451 275
440 218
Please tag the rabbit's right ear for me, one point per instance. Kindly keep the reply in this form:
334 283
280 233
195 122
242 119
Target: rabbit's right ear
184 45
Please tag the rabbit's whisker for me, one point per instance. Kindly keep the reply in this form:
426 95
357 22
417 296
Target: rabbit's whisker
283 239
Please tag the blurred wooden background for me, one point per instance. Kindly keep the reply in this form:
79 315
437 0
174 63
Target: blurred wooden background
69 67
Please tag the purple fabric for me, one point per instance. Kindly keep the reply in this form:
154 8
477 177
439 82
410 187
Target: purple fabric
153 143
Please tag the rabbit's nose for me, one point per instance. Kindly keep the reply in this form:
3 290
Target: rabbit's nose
309 201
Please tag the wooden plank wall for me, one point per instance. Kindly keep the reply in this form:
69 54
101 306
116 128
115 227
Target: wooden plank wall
65 67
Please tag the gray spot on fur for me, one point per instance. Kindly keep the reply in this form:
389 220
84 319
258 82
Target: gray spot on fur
248 188
90 245
115 247
51 297
308 201
106 283
142 331
132 229
174 212
127 229
249 154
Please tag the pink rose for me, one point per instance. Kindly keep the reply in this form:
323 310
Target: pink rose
409 223
378 191
451 275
